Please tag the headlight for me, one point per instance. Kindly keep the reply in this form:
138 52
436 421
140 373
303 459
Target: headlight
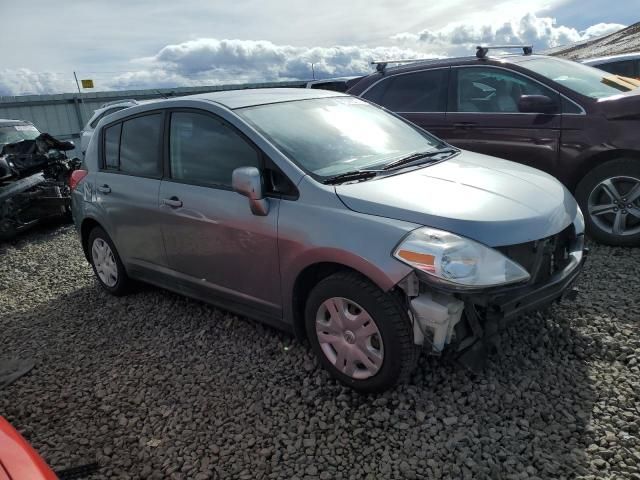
457 260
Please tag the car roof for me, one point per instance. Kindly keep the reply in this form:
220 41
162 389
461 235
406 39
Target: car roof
612 58
258 96
5 122
451 61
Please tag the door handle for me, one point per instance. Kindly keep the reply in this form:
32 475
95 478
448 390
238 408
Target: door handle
173 202
104 189
464 125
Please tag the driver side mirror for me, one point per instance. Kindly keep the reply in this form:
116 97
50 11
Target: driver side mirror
537 104
247 181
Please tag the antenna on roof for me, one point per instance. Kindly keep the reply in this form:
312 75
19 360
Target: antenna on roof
381 66
481 52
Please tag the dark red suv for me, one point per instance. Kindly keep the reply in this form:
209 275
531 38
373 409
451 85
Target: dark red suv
573 121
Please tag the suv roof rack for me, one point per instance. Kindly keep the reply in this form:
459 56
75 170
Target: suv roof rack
116 102
382 65
481 51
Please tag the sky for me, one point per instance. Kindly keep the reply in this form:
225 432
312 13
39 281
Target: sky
124 44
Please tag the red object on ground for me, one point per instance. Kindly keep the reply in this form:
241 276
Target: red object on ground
18 460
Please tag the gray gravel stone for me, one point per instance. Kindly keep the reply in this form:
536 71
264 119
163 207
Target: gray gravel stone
154 385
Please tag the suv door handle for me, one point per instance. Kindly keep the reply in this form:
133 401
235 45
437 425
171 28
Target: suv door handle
464 125
173 202
104 188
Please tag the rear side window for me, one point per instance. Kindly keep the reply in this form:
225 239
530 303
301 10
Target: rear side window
112 146
205 150
412 92
134 146
140 146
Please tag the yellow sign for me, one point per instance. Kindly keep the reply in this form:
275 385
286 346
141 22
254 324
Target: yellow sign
88 83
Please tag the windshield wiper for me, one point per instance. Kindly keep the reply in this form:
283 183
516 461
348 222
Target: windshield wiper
417 156
352 175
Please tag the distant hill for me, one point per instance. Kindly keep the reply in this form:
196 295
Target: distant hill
626 40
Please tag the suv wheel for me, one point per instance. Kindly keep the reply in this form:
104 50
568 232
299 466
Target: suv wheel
106 263
609 196
361 335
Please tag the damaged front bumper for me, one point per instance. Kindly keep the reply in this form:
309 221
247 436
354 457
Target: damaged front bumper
465 322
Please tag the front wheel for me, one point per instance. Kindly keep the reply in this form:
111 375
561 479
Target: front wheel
609 196
360 334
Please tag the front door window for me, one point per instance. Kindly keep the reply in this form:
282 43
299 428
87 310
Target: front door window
492 90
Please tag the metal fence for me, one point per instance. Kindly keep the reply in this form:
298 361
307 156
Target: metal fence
64 115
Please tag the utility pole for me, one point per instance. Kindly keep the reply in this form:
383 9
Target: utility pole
77 84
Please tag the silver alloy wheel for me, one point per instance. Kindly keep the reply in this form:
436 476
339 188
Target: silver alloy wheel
104 262
614 205
349 338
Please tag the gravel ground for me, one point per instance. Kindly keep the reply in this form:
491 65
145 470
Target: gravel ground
154 385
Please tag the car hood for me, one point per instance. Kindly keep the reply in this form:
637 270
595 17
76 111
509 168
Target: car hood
492 201
625 105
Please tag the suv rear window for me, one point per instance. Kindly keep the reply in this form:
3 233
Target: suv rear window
134 146
424 91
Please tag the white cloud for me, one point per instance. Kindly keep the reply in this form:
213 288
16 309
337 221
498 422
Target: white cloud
206 61
265 61
542 32
23 81
209 61
601 29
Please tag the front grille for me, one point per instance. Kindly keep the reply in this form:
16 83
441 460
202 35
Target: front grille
542 258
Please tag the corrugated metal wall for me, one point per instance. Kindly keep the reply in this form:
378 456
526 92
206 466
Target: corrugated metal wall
64 115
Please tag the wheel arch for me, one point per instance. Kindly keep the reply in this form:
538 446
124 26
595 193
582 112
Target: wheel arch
312 274
598 159
87 225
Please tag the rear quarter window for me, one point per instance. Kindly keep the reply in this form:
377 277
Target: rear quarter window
112 147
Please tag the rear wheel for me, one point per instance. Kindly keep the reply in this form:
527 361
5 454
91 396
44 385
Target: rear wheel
360 334
106 263
609 196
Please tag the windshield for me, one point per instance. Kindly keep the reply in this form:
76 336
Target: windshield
330 136
15 133
581 78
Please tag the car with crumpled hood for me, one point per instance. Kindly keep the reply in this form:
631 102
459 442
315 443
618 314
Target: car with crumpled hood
324 215
12 131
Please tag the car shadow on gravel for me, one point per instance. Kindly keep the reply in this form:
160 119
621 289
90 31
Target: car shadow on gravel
155 385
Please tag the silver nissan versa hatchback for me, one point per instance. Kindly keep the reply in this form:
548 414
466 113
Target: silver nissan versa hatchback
322 214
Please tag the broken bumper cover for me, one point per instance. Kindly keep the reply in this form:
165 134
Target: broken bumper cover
508 303
488 311
487 315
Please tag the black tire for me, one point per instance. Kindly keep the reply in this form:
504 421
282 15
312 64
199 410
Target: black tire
622 167
391 319
122 285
